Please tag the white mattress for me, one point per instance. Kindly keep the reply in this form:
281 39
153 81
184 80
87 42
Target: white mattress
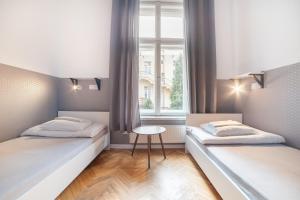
268 171
25 161
272 170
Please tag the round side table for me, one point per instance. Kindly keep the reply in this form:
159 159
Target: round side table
149 131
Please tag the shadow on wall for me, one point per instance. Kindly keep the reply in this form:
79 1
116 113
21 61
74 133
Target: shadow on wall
225 96
83 99
276 107
27 99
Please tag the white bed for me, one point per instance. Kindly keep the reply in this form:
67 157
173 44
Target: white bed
265 171
41 167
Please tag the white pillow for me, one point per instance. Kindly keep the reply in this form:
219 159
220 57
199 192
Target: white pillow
64 125
225 123
223 131
73 119
90 131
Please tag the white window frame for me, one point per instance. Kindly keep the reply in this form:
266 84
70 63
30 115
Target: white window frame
147 92
157 42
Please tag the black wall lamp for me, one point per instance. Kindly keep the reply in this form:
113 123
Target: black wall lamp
75 83
98 82
258 77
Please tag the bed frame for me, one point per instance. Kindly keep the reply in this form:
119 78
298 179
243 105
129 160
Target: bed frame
227 188
55 183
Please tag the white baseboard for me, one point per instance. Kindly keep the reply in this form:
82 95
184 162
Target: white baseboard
144 146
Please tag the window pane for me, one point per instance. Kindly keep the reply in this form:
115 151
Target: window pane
147 21
147 78
171 22
172 79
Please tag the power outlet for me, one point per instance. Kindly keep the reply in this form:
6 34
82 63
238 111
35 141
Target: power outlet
93 87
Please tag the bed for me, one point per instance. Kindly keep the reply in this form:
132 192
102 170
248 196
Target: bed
41 168
245 171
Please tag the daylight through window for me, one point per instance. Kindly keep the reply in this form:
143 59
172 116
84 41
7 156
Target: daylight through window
161 59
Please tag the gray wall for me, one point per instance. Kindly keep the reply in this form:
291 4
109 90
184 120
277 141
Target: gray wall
26 99
275 108
225 97
87 100
84 99
91 100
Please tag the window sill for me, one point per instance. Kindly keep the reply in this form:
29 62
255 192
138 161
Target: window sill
161 117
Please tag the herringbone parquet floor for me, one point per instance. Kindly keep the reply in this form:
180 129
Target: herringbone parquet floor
116 175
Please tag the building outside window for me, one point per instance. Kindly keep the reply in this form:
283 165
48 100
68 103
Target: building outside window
161 59
147 91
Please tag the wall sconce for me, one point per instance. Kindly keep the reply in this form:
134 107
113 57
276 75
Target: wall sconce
98 82
237 88
75 84
258 77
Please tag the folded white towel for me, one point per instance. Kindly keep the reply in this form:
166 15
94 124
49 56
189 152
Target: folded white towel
64 125
90 131
73 119
223 131
260 138
225 123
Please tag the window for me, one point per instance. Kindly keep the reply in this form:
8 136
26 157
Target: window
161 59
147 91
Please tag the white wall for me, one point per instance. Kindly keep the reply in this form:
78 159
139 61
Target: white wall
224 39
255 35
65 38
70 38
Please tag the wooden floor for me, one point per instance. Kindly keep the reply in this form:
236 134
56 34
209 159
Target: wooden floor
116 175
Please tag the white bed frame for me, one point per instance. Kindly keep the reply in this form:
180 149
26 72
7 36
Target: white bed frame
55 183
228 189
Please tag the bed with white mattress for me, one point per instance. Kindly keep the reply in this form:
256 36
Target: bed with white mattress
34 167
244 170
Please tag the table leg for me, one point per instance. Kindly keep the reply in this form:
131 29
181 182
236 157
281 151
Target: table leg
162 146
136 139
149 143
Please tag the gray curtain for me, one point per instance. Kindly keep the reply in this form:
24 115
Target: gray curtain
201 55
124 108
